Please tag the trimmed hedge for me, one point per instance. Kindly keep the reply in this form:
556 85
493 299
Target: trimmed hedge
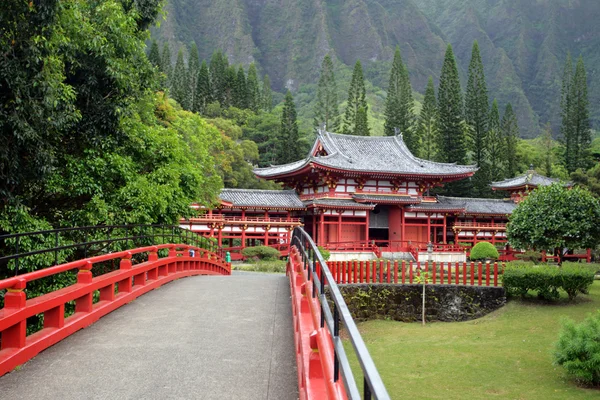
261 253
519 279
578 350
484 251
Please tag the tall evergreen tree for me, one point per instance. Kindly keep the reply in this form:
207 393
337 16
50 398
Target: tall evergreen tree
326 109
510 134
165 62
203 95
288 147
361 127
476 115
240 91
192 73
399 103
495 149
357 98
450 106
582 135
566 127
229 84
427 127
154 55
218 66
253 89
180 81
266 95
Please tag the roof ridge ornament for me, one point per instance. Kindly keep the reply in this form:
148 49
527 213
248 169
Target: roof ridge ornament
398 133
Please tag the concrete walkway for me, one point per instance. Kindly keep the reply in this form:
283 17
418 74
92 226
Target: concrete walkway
203 337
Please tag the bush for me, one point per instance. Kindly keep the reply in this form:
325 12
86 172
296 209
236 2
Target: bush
324 252
261 253
484 251
519 279
578 350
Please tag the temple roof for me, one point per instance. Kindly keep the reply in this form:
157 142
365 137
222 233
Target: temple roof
338 203
370 154
530 178
287 199
468 206
385 198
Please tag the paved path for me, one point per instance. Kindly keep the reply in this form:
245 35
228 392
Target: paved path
203 337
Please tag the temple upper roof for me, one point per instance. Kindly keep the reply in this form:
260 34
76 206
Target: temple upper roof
530 179
368 154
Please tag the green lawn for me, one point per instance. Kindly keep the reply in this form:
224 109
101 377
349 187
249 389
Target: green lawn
504 355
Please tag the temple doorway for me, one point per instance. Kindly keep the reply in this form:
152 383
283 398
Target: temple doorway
379 225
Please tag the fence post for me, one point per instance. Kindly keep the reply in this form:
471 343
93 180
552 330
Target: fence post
395 271
479 272
495 274
487 274
403 271
410 272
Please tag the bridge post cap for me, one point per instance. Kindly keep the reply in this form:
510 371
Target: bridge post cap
127 255
154 249
313 340
86 266
20 285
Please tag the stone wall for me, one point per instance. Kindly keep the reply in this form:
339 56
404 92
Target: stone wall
404 302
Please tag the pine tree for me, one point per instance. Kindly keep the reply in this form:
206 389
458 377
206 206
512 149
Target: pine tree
229 84
326 109
253 89
362 124
450 106
203 95
510 134
192 73
357 98
476 115
165 61
288 146
399 103
218 66
566 127
495 149
266 95
547 146
582 135
427 127
180 82
240 91
154 55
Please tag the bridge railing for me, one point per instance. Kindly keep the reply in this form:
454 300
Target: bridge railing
323 367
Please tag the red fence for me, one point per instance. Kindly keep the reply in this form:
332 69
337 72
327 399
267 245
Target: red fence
481 274
114 288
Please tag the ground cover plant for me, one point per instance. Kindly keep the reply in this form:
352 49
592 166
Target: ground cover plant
261 253
504 355
272 266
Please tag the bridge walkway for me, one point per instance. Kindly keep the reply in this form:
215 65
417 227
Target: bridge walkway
201 337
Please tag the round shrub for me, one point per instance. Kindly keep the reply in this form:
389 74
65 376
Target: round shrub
484 251
261 253
578 350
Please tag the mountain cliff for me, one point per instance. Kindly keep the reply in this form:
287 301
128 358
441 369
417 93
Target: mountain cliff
523 43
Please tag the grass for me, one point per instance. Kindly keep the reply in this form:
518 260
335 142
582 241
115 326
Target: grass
271 266
504 355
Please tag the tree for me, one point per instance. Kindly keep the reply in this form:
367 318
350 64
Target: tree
357 99
547 153
266 95
165 62
288 146
476 115
555 218
495 149
240 91
192 75
218 65
427 127
229 84
362 125
326 109
582 136
510 134
450 106
179 83
154 55
253 89
399 103
566 112
203 95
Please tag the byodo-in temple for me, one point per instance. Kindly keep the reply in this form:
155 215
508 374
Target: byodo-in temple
363 197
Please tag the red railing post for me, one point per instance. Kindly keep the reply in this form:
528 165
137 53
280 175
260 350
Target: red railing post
15 299
487 274
395 271
55 317
381 263
410 272
389 271
495 274
403 272
457 274
433 272
472 273
369 271
464 273
479 272
84 303
442 273
362 270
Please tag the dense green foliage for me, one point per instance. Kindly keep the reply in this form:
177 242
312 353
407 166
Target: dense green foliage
520 279
261 253
578 350
288 149
555 218
484 251
399 103
355 121
427 125
326 109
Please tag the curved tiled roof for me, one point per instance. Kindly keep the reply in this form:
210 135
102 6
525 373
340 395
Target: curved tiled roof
530 178
262 198
386 198
375 154
480 206
342 203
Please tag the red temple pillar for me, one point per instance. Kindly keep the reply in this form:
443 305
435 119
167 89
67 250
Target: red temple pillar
403 228
445 227
339 227
367 227
428 227
321 240
314 226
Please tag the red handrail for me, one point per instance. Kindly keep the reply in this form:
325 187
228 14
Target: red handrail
116 289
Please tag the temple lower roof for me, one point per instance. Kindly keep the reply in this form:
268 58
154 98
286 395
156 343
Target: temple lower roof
366 154
338 203
254 198
386 198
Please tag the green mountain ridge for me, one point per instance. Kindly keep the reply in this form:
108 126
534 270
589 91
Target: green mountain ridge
523 44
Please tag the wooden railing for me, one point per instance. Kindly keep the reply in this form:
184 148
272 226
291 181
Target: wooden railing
463 273
479 225
226 218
